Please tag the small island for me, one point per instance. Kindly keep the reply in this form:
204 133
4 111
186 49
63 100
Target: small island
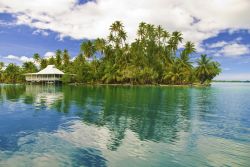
154 57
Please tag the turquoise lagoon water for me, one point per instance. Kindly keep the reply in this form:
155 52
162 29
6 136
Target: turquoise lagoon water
125 126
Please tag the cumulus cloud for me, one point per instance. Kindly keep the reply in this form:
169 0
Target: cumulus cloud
232 48
198 20
19 58
235 49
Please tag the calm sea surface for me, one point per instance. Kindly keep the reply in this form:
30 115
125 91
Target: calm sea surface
124 126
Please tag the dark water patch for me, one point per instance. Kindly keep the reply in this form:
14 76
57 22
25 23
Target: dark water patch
88 157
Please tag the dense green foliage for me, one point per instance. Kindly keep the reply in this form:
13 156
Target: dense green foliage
153 58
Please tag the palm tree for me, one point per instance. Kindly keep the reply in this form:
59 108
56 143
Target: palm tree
88 48
171 47
36 58
206 69
43 63
141 30
177 36
184 58
29 67
1 73
189 48
122 35
176 39
58 59
100 44
66 58
165 36
12 73
1 65
174 74
159 34
117 34
51 60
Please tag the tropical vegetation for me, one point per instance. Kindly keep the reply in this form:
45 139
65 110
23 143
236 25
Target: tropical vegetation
154 57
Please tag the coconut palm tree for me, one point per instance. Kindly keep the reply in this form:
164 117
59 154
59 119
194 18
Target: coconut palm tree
88 48
36 58
141 30
1 65
29 67
100 44
117 34
189 48
65 58
175 74
175 39
206 69
43 63
159 34
51 60
12 73
58 59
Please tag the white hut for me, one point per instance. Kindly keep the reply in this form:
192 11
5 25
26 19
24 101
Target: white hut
49 74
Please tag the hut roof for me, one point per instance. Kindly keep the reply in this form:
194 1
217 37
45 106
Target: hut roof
50 69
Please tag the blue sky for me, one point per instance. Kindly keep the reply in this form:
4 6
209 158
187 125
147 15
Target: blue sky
43 27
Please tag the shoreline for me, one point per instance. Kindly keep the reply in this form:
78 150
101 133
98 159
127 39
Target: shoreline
124 85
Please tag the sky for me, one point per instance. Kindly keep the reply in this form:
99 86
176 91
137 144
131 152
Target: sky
219 28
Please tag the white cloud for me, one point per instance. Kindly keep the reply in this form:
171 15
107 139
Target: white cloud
19 58
198 20
49 54
218 44
228 48
234 50
39 31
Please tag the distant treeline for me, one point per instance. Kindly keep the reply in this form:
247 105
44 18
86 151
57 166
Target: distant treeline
153 58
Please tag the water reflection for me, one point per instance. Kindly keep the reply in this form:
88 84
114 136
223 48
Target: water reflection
89 126
152 113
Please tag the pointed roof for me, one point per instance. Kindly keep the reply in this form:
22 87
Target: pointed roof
50 69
